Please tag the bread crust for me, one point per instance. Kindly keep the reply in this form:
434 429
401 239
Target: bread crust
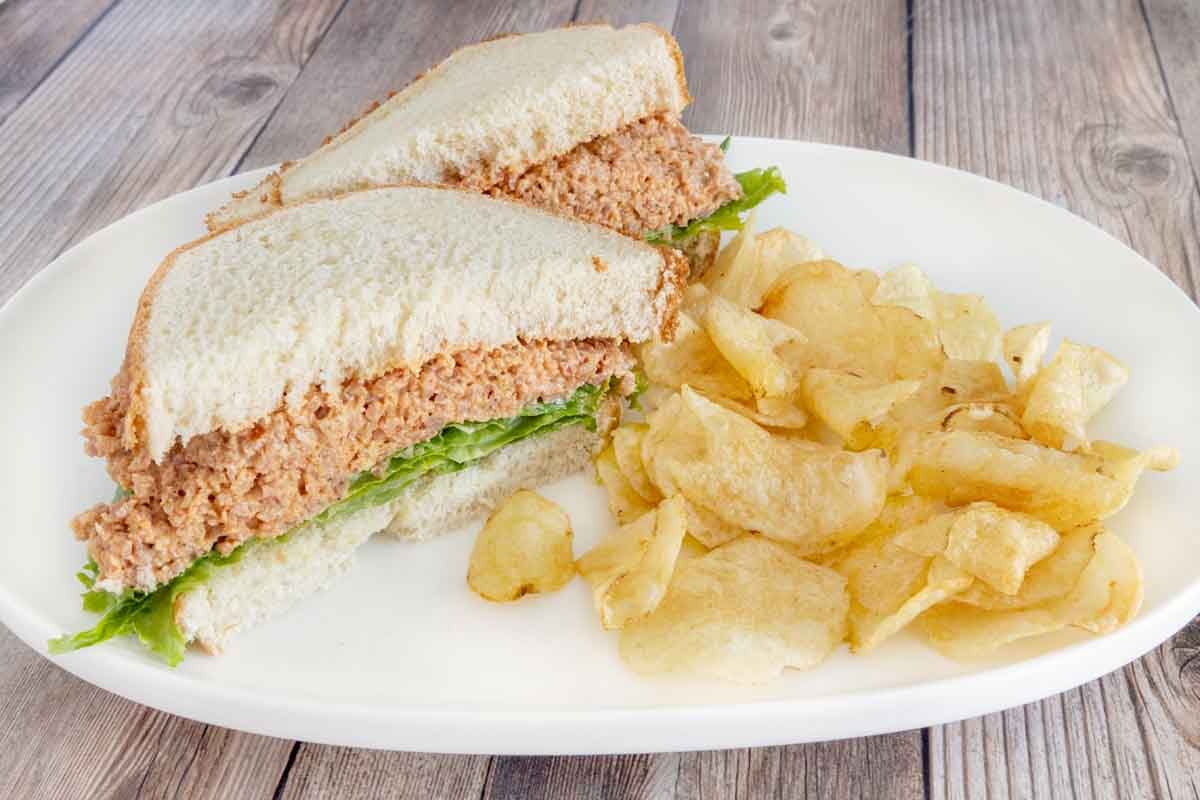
667 297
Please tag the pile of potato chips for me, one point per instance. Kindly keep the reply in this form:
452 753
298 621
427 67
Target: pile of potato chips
831 454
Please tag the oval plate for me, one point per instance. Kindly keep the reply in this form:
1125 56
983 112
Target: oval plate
402 656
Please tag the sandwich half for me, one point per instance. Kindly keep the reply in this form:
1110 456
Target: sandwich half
392 357
582 121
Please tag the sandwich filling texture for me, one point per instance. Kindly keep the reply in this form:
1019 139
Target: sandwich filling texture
650 179
338 452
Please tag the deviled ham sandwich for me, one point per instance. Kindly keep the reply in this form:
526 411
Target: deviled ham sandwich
395 357
581 120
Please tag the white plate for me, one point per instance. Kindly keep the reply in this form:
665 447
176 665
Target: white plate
402 656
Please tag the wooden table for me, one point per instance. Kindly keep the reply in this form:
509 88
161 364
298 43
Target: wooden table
108 105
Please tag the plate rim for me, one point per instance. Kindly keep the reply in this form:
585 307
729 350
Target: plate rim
555 731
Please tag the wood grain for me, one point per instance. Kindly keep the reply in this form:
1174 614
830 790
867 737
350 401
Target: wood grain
156 99
629 12
376 46
825 70
345 772
1079 114
34 36
1175 29
63 738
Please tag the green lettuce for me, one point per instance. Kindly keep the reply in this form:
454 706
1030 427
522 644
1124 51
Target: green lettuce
757 185
150 615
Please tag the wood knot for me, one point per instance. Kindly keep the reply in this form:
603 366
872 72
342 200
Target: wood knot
247 90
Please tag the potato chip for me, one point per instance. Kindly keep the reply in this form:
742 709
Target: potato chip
967 328
918 349
689 549
1065 490
868 281
879 574
624 501
823 301
743 612
929 538
709 529
998 546
746 282
851 405
1107 593
1052 577
942 580
998 418
735 263
748 342
810 495
770 412
630 569
1024 348
1077 383
523 548
627 449
907 287
691 358
971 381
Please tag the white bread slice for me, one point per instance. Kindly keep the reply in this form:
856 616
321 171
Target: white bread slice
235 324
273 576
502 106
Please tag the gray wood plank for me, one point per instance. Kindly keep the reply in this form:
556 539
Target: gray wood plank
377 46
1078 114
156 99
1175 28
1074 113
63 738
346 772
827 71
630 12
34 36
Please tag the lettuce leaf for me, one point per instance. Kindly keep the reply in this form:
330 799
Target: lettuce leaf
757 185
150 616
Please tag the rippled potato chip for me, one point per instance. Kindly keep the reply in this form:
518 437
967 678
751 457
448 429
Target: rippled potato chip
735 266
624 501
998 546
1024 348
627 450
997 418
810 495
888 584
630 569
1052 577
770 412
1077 383
746 281
941 581
852 405
523 548
823 301
967 328
907 287
1107 593
1065 490
918 349
743 612
691 358
748 342
709 529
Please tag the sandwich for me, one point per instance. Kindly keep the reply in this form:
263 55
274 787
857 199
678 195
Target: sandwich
583 121
390 358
